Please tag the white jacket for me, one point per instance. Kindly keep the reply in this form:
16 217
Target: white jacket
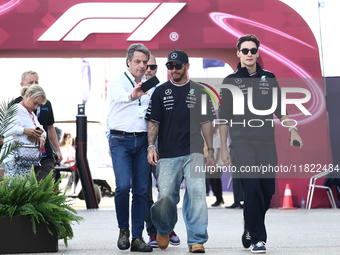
16 131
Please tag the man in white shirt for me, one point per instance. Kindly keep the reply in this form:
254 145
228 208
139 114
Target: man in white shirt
128 146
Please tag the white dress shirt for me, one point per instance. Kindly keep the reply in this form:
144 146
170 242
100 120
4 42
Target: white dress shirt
124 114
22 120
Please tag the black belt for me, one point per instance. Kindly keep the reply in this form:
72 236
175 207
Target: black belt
117 132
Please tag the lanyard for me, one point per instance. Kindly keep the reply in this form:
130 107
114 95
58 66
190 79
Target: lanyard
32 118
133 87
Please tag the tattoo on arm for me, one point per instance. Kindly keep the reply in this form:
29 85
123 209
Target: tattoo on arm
153 129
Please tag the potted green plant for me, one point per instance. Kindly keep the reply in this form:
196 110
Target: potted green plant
39 203
7 114
33 216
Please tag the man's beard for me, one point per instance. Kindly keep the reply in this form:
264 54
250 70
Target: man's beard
178 79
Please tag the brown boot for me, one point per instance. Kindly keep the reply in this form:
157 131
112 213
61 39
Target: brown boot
197 248
162 241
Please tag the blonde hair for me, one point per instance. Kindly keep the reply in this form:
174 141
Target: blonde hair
34 91
65 137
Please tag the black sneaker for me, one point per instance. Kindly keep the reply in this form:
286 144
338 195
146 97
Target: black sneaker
123 240
234 206
138 244
246 239
259 247
217 203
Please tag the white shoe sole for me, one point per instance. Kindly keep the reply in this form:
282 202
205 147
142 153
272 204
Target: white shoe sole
258 252
175 244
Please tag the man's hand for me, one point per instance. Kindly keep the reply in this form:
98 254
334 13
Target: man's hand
137 92
41 142
152 156
226 157
210 161
153 128
293 132
60 157
295 136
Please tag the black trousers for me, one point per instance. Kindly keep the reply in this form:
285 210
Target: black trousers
46 166
237 190
258 187
150 228
216 186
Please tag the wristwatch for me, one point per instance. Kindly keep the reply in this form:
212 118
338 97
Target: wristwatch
211 149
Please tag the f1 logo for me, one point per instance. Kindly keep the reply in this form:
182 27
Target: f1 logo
145 20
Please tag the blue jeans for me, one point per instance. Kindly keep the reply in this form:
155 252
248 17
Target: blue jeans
171 172
131 168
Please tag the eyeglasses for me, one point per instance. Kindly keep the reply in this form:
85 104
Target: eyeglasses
245 51
177 66
152 67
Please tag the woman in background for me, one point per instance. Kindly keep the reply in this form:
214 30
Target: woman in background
67 151
25 128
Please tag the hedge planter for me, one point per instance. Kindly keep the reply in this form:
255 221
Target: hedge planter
17 236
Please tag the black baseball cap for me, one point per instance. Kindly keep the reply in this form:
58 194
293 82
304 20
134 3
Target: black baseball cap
178 57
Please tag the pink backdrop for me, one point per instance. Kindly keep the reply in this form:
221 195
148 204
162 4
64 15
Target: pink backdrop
206 29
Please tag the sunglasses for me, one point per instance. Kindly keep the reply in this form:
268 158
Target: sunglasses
177 66
245 51
152 67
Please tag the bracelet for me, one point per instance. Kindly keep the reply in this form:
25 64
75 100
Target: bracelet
290 129
211 149
131 98
151 145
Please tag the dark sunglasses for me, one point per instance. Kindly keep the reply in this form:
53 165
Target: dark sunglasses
177 66
152 67
245 51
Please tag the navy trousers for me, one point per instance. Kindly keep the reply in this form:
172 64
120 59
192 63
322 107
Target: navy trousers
258 186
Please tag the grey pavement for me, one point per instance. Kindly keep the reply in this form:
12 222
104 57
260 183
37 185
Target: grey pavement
299 231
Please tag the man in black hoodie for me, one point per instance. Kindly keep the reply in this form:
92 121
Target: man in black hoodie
253 137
